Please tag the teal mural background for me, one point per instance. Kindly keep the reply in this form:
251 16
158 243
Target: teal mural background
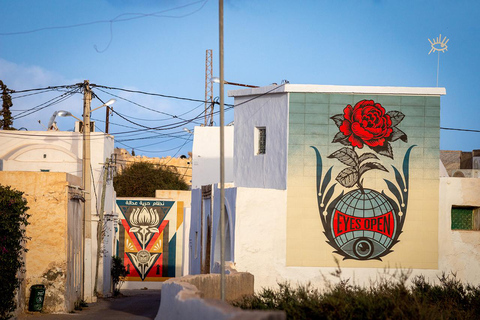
310 125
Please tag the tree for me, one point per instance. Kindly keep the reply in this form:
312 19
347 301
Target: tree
6 122
141 179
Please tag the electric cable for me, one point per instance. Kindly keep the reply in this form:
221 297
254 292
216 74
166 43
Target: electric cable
154 94
464 130
116 19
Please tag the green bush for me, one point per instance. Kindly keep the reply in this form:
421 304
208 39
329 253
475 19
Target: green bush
118 273
142 179
13 220
385 299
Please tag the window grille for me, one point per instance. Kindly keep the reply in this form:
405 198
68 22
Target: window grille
261 140
465 218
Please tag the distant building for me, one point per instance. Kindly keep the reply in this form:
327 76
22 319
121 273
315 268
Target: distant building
182 165
461 164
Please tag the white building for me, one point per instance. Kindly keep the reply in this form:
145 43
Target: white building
59 151
340 175
203 227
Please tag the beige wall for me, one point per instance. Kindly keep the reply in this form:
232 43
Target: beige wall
260 241
175 195
54 250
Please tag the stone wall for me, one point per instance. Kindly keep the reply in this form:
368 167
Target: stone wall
54 255
183 164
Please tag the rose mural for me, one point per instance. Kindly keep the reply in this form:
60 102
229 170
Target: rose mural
363 223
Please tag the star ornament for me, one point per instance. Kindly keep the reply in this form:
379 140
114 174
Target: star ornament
438 44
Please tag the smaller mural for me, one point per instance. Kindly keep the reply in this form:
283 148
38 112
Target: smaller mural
147 237
363 223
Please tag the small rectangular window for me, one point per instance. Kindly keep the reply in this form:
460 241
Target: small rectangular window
196 244
465 218
260 140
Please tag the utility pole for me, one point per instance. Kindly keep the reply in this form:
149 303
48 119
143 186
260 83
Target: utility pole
87 186
100 220
107 119
222 157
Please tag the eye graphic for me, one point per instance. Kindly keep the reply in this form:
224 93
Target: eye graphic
438 44
363 248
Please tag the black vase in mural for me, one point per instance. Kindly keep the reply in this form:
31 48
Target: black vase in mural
363 223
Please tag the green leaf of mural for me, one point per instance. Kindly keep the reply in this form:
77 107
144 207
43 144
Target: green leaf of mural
370 166
338 119
393 189
399 179
329 194
348 177
319 167
346 156
367 156
385 150
396 117
398 134
341 138
326 180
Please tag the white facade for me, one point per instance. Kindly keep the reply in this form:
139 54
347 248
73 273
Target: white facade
206 156
203 224
59 151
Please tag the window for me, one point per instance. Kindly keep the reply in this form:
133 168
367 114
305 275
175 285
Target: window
260 140
196 244
465 218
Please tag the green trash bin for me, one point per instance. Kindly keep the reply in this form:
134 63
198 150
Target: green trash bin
37 295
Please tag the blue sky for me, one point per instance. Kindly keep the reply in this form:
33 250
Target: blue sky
379 43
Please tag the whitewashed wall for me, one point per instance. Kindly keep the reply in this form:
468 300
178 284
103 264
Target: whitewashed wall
206 156
267 170
459 250
194 248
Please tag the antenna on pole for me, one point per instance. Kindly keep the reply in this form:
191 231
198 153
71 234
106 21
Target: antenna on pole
208 88
438 45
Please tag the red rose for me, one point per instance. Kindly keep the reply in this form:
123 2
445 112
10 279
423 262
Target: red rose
366 123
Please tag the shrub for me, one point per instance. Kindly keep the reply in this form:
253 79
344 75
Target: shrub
13 220
385 299
118 273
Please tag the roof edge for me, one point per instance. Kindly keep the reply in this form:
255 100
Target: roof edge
313 88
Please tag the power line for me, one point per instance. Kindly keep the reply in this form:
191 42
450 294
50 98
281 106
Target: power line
164 127
456 129
46 104
118 18
158 136
47 88
153 94
141 106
